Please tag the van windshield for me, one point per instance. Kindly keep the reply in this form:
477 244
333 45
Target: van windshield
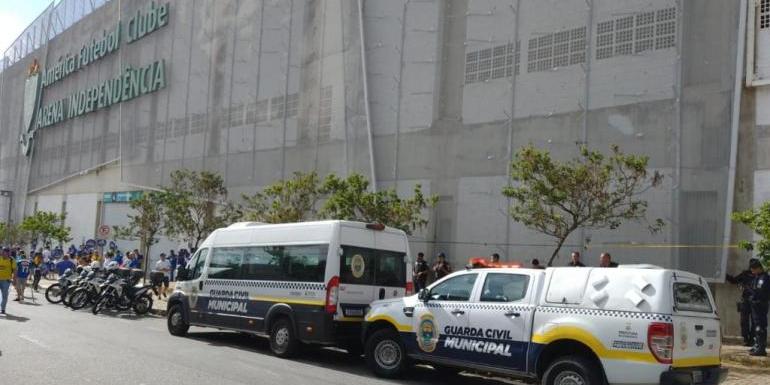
363 266
691 297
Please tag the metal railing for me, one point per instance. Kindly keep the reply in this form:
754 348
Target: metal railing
55 19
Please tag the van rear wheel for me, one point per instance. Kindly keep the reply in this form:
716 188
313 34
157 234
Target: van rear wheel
572 370
385 353
283 342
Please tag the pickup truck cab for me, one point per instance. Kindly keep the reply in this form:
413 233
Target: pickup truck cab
559 326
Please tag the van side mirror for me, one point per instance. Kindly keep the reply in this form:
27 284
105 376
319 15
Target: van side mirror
182 274
424 295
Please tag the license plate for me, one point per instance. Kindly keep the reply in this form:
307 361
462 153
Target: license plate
354 312
697 377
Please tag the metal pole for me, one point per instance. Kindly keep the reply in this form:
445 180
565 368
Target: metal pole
366 93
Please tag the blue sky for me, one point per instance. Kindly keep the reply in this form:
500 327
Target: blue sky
15 15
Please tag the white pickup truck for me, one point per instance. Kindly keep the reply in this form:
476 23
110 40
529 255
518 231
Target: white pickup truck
559 326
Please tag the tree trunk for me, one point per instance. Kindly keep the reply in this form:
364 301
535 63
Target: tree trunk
556 252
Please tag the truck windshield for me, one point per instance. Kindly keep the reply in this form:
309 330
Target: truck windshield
691 297
364 266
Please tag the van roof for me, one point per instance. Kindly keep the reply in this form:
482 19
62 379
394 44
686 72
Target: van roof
354 224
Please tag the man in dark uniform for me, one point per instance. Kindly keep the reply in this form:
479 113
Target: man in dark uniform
760 294
743 280
420 273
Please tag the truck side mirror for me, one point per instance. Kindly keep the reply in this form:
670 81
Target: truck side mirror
424 295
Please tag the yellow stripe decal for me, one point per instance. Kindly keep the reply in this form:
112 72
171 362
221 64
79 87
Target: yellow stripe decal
400 327
696 361
580 335
297 301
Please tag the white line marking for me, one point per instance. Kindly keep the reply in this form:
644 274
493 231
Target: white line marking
34 341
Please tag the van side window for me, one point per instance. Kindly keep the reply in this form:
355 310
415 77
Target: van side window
457 288
197 263
502 287
226 263
299 263
364 266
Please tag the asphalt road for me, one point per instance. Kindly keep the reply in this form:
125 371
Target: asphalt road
44 344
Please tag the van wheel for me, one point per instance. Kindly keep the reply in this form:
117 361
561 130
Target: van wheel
572 370
385 353
175 322
283 343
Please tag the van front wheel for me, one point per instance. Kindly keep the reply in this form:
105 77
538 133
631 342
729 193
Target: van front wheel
572 370
283 342
385 354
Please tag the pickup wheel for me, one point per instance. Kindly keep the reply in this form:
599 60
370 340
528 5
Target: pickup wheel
572 370
385 353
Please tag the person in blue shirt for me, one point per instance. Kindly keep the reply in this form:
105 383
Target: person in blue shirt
23 268
64 264
172 260
119 258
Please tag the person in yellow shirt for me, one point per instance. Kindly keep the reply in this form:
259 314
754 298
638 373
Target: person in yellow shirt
7 271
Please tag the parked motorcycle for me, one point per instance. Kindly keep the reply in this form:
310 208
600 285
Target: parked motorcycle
122 294
88 291
54 292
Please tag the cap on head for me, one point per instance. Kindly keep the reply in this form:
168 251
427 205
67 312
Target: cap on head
755 264
441 255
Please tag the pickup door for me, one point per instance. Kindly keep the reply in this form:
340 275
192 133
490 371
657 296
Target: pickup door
697 338
500 321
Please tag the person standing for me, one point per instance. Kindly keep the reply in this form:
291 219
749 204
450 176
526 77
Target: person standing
441 268
7 271
743 280
605 260
23 267
163 266
575 260
172 261
495 259
64 264
420 273
760 295
536 264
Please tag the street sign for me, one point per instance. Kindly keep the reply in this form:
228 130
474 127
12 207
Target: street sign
101 242
121 196
90 243
104 231
113 245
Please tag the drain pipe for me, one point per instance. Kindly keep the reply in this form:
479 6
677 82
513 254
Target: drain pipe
366 94
737 90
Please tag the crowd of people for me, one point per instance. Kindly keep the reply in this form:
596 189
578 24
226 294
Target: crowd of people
423 273
18 267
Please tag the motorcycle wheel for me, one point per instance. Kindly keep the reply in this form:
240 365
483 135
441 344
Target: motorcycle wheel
79 299
54 293
100 304
67 295
143 304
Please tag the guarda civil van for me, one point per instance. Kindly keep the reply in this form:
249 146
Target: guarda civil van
559 326
308 282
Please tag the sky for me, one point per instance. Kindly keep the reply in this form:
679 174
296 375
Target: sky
15 15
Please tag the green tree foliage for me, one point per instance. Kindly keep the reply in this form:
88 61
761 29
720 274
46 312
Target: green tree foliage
145 223
194 205
758 220
295 200
12 234
46 226
291 200
350 199
591 191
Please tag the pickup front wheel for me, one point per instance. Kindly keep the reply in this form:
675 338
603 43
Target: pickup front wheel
385 354
572 370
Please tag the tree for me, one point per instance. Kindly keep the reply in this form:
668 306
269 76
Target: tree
291 200
191 205
46 226
350 199
12 234
758 220
591 191
145 224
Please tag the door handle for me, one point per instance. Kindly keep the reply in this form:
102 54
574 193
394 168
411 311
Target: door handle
513 314
458 312
200 285
698 327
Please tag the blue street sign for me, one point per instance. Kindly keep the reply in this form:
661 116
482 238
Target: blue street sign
90 243
101 242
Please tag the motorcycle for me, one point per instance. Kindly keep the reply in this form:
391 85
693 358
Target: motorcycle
87 292
54 292
122 294
67 293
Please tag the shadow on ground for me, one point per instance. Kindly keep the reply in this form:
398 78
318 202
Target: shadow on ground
338 359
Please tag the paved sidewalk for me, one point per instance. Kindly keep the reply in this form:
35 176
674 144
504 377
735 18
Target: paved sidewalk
744 369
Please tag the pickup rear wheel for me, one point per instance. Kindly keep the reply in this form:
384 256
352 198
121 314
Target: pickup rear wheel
572 370
385 353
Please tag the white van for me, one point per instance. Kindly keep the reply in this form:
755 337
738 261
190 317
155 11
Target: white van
308 282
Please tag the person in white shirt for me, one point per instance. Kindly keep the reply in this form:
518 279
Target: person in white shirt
163 266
